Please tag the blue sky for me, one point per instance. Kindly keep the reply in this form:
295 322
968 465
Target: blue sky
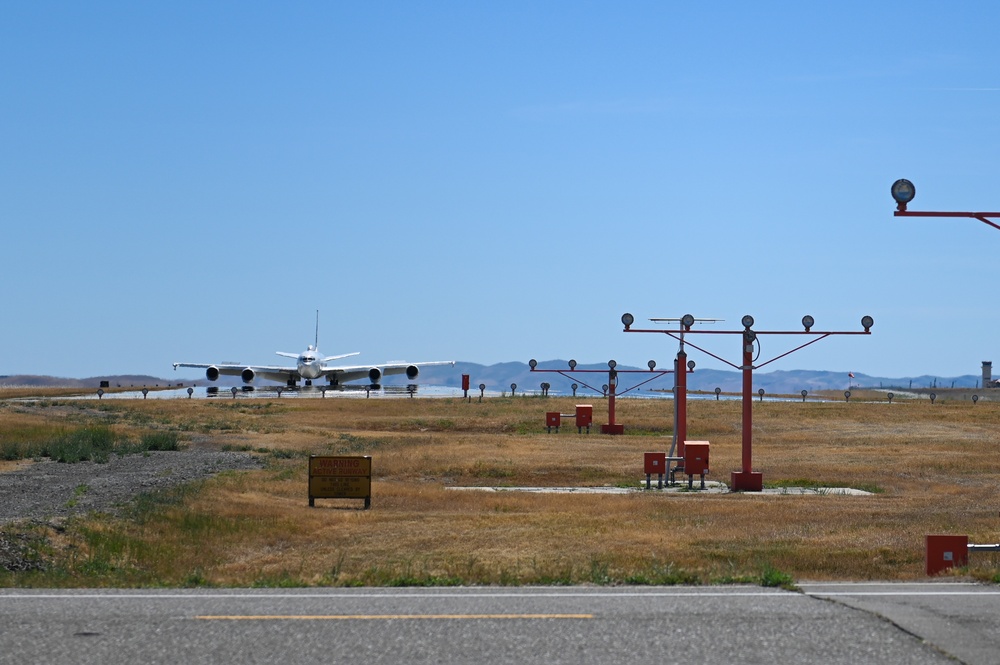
490 182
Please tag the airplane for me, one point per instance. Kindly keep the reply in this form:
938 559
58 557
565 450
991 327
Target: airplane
311 365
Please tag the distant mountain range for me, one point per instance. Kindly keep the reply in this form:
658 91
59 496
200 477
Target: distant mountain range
499 377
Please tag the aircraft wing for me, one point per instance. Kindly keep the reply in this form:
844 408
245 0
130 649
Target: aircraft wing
355 372
270 372
400 368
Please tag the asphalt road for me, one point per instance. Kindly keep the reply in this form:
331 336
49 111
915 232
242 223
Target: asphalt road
895 623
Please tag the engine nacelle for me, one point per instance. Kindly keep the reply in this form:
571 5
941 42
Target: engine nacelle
212 373
375 376
247 375
411 372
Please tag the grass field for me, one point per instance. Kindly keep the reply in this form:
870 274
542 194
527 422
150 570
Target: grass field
932 468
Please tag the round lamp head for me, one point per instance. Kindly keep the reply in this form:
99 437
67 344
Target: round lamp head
808 322
651 365
687 320
572 364
691 365
747 321
628 320
867 322
903 192
532 363
612 364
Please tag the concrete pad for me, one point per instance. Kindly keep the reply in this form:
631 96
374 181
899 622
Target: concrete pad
711 487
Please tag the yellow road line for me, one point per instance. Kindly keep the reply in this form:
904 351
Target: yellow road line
383 617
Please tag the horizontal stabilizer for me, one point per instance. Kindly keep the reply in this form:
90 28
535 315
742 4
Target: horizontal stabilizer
343 355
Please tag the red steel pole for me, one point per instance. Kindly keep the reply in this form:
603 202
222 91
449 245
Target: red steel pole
747 406
746 480
612 379
681 397
612 427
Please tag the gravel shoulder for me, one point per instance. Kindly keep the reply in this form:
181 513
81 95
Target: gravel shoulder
47 490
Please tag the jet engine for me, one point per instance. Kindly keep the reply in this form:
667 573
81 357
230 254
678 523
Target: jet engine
411 372
375 376
212 373
247 375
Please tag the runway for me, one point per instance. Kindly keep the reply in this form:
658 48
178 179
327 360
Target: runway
842 623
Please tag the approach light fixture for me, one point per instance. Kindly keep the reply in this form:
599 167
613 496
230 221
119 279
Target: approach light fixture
903 192
691 365
651 365
612 364
628 320
687 320
532 363
572 364
867 322
808 322
747 321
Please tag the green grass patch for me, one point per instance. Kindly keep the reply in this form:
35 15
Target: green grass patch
94 443
772 577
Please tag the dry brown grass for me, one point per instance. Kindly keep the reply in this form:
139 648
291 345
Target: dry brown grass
934 468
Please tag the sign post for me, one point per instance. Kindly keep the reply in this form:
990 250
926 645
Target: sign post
340 478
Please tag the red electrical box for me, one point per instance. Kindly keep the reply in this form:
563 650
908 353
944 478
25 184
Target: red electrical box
655 463
945 552
696 458
465 382
552 419
584 415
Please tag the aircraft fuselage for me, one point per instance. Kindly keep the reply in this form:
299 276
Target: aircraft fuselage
310 364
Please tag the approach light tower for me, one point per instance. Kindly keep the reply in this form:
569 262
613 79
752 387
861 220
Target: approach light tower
746 479
903 192
611 389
